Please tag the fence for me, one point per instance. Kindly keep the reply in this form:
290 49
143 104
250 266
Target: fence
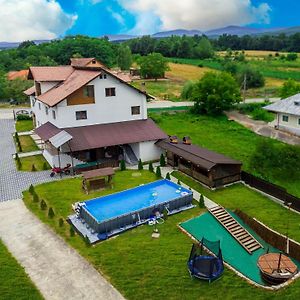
271 237
271 189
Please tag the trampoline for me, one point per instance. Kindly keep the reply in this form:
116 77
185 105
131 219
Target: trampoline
205 266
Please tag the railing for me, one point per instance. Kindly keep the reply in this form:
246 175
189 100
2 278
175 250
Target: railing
95 165
271 189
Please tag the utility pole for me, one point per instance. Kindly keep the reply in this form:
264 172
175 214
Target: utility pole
244 87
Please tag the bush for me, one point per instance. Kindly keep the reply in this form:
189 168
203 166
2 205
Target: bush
158 172
51 213
122 165
151 169
33 168
201 201
45 166
61 222
187 90
43 205
31 189
292 56
254 78
23 117
263 115
178 182
162 160
165 213
35 198
168 176
87 241
140 165
72 231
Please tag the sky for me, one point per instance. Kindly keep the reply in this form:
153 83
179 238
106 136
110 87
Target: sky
48 19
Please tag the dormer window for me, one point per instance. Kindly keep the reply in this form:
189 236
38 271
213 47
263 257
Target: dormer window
102 76
94 61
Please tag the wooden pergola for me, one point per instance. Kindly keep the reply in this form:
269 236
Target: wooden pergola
97 179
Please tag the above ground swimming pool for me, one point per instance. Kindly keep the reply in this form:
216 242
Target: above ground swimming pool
117 212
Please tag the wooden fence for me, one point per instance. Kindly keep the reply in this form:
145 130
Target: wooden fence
271 237
271 189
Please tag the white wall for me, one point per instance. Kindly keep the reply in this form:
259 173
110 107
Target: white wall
40 114
104 110
65 159
149 151
292 125
45 86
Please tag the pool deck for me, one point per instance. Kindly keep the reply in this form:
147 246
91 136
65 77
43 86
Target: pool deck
233 253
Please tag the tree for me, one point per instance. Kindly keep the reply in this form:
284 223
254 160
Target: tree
43 205
289 88
33 168
151 169
51 213
204 49
61 222
168 176
153 65
162 160
124 58
185 48
35 198
215 93
254 79
158 172
187 90
26 44
122 165
201 201
292 56
31 189
140 165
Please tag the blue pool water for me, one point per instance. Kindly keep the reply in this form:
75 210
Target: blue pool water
136 199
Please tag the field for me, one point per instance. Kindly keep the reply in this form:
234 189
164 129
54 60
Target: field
144 268
223 136
14 282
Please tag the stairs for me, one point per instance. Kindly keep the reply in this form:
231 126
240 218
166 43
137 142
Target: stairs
129 155
245 239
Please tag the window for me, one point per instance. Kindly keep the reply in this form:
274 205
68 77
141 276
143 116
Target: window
46 110
299 121
53 114
102 76
89 91
38 88
39 106
81 115
285 118
110 92
135 110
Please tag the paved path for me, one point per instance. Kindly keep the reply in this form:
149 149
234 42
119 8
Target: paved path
262 128
32 153
57 270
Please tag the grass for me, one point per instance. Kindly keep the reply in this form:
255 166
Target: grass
37 160
14 282
137 265
27 143
256 111
24 125
223 136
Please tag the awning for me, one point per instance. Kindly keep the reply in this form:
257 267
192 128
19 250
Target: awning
60 139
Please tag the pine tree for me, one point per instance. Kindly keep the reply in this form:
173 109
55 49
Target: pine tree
122 165
162 160
178 182
33 168
35 198
158 172
140 165
72 231
201 201
51 213
45 166
165 213
43 205
168 176
151 169
61 222
31 189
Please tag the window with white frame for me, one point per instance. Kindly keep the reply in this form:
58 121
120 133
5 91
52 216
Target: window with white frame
285 118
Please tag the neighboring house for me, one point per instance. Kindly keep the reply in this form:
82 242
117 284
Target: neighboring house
84 112
288 114
12 75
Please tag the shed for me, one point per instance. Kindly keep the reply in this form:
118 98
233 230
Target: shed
211 168
97 179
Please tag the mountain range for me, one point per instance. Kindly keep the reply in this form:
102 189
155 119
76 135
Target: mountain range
231 30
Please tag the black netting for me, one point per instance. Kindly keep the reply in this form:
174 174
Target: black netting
214 247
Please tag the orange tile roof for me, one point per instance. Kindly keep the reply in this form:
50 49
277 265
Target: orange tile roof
57 73
17 74
75 81
30 91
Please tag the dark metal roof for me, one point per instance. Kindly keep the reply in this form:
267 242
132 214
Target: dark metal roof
104 135
202 157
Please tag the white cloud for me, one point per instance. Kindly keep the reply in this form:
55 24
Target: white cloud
195 14
117 16
33 19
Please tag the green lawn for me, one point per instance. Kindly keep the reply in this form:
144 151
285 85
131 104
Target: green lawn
223 136
137 265
37 160
14 282
24 125
27 143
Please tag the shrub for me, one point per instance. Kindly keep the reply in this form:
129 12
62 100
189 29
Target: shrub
140 165
187 90
33 168
162 160
168 176
151 169
201 201
24 117
35 198
292 56
254 78
165 213
17 157
158 172
178 182
31 189
122 165
43 205
72 231
87 241
45 166
61 222
51 213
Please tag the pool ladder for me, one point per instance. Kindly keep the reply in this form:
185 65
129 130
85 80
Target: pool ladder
244 237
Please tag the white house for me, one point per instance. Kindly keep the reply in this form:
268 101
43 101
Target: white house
86 113
288 114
